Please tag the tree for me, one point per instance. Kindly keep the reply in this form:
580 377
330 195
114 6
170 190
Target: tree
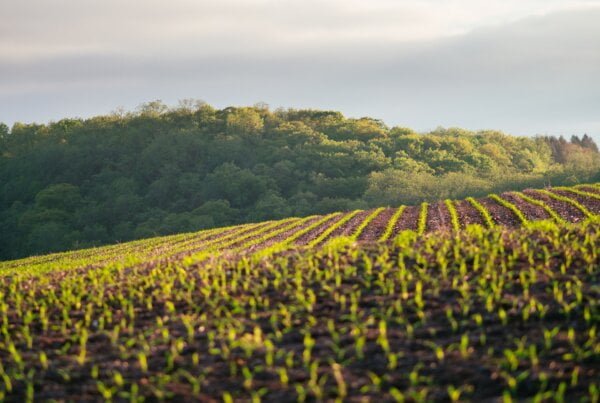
239 186
270 205
589 143
62 196
244 121
220 212
153 108
161 170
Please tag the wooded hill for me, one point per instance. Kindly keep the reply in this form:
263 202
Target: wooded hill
84 182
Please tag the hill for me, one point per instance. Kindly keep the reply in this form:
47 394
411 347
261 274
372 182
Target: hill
510 209
494 298
78 183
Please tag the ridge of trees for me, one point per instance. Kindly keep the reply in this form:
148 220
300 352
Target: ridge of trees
159 170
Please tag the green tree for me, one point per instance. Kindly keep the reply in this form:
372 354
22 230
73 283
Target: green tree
244 121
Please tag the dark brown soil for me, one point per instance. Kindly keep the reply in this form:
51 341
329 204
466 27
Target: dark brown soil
348 228
196 244
565 210
530 211
438 217
259 235
500 214
310 235
479 369
591 203
467 214
408 220
590 189
201 245
375 229
283 235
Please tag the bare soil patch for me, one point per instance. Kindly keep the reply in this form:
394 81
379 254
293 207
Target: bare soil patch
467 214
310 235
500 214
438 217
348 227
591 203
375 229
565 210
530 211
408 220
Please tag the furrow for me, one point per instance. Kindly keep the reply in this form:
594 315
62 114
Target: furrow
304 236
484 213
391 224
565 210
509 206
325 234
549 211
568 200
366 222
439 217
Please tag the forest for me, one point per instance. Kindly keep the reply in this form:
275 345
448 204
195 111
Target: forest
161 170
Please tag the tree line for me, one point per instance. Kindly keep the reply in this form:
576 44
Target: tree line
84 182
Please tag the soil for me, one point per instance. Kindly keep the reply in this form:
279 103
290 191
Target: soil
408 220
438 217
201 245
480 369
375 229
348 228
565 210
591 203
314 233
259 235
590 189
500 214
530 211
283 235
467 214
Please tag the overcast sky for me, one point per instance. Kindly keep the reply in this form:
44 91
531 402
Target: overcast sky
521 66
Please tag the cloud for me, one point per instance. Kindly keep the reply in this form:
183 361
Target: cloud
419 64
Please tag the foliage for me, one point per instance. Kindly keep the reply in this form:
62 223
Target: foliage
82 182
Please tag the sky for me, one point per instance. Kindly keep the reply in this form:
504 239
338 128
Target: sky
525 67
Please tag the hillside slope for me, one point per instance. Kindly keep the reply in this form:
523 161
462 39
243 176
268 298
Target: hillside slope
296 309
510 209
78 183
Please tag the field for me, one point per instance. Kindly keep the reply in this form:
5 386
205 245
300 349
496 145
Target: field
495 298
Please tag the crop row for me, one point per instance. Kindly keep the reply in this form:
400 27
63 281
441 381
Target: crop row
479 314
510 209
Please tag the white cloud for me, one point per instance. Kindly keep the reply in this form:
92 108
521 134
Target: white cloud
521 65
36 28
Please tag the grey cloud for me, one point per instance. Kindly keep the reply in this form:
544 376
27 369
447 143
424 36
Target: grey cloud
537 75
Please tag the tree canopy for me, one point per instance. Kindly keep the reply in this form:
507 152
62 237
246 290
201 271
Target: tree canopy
160 170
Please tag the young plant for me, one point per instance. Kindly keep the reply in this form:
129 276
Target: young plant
422 221
485 214
389 229
510 206
454 220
